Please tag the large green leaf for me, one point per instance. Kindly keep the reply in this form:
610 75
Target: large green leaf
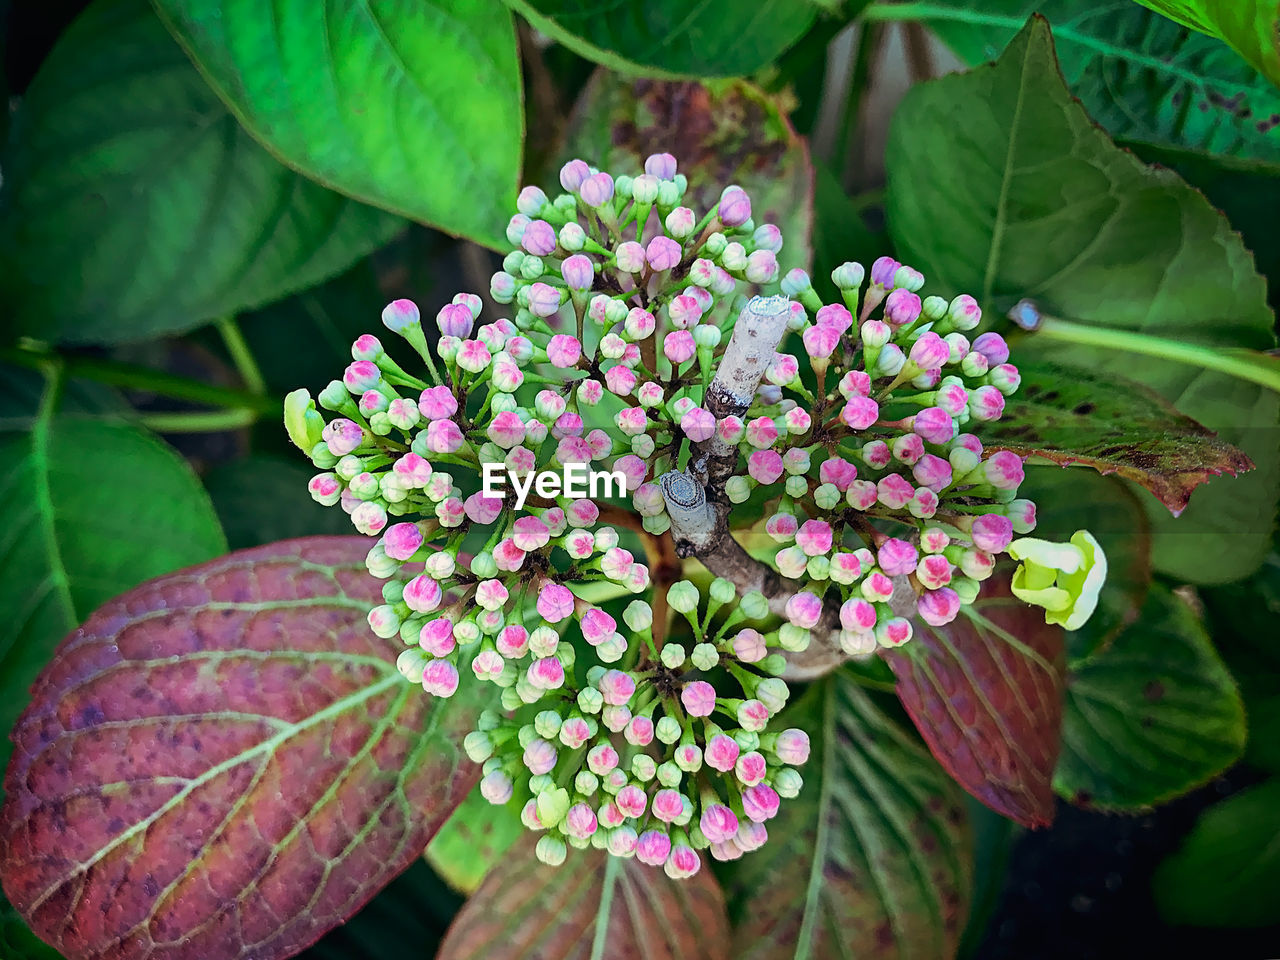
134 204
475 839
411 105
1252 27
228 758
593 906
1228 870
673 38
1142 77
92 508
1034 201
1150 717
872 860
722 132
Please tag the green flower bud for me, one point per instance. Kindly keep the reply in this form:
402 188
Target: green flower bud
586 783
669 775
753 605
966 589
704 656
787 783
656 525
553 804
746 740
794 639
672 656
818 568
643 767
827 496
667 730
737 489
510 700
715 245
477 744
797 486
488 720
682 596
483 565
638 616
774 664
590 700
539 783
547 724
722 590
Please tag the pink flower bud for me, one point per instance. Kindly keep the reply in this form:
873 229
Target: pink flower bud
838 472
932 472
699 698
882 271
992 346
633 468
540 757
901 307
792 747
660 165
444 436
342 436
759 803
506 430
653 848
546 673
440 678
369 518
907 448
933 424
573 173
934 571
455 320
749 646
596 190
845 567
986 404
325 489
639 731
632 801
437 403
1003 470
399 315
616 687
750 768
897 557
578 271
487 665
762 433
574 732
564 351
621 380
530 533
721 752
668 805
992 532
782 527
784 369
698 424
855 383
685 312
662 253
597 626
718 823
860 413
539 239
765 466
361 375
938 607
679 346
735 207
544 299
580 821
436 637
630 258
753 715
820 341
893 633
834 315
804 609
894 491
402 540
857 615
601 759
555 603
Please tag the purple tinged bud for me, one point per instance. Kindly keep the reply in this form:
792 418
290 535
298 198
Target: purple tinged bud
875 333
663 253
930 351
964 312
544 300
796 282
573 173
883 270
934 424
653 848
596 190
530 201
735 207
986 403
902 307
578 272
992 346
399 315
1003 470
992 532
539 238
660 165
938 607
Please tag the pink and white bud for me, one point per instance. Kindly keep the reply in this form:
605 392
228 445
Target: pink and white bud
749 646
820 341
488 665
857 615
699 698
540 757
862 494
838 472
859 413
481 509
546 673
804 609
759 803
784 369
991 532
662 253
938 607
1003 470
934 572
992 346
444 436
667 805
440 678
897 557
751 768
399 315
436 636
402 540
631 801
698 425
342 436
679 346
564 351
934 424
616 687
369 518
578 271
653 848
907 448
325 489
544 299
876 587
721 752
845 567
539 238
601 759
932 472
735 207
718 823
765 466
437 403
894 632
630 257
596 190
507 430
986 404
902 307
573 173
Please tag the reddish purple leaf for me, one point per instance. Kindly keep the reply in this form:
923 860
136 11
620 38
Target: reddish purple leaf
988 702
592 905
224 763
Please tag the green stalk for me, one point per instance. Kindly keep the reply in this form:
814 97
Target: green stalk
1247 365
242 356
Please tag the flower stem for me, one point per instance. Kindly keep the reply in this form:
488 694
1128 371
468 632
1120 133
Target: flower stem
198 421
1254 366
242 356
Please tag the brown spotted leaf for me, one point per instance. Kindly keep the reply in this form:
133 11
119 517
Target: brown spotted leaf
986 695
873 859
721 132
1072 416
224 763
592 906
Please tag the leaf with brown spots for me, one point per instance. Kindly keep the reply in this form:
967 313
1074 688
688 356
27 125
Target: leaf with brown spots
592 906
1070 416
1151 717
986 694
721 132
873 859
224 763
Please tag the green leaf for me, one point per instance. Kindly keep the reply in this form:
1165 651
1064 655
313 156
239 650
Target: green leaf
839 233
673 38
407 919
472 841
1072 416
230 758
985 692
1242 619
1228 870
134 205
1071 500
1252 27
1143 78
92 508
592 906
410 106
872 860
1152 716
723 132
1034 201
264 498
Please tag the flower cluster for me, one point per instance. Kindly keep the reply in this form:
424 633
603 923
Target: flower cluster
624 306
